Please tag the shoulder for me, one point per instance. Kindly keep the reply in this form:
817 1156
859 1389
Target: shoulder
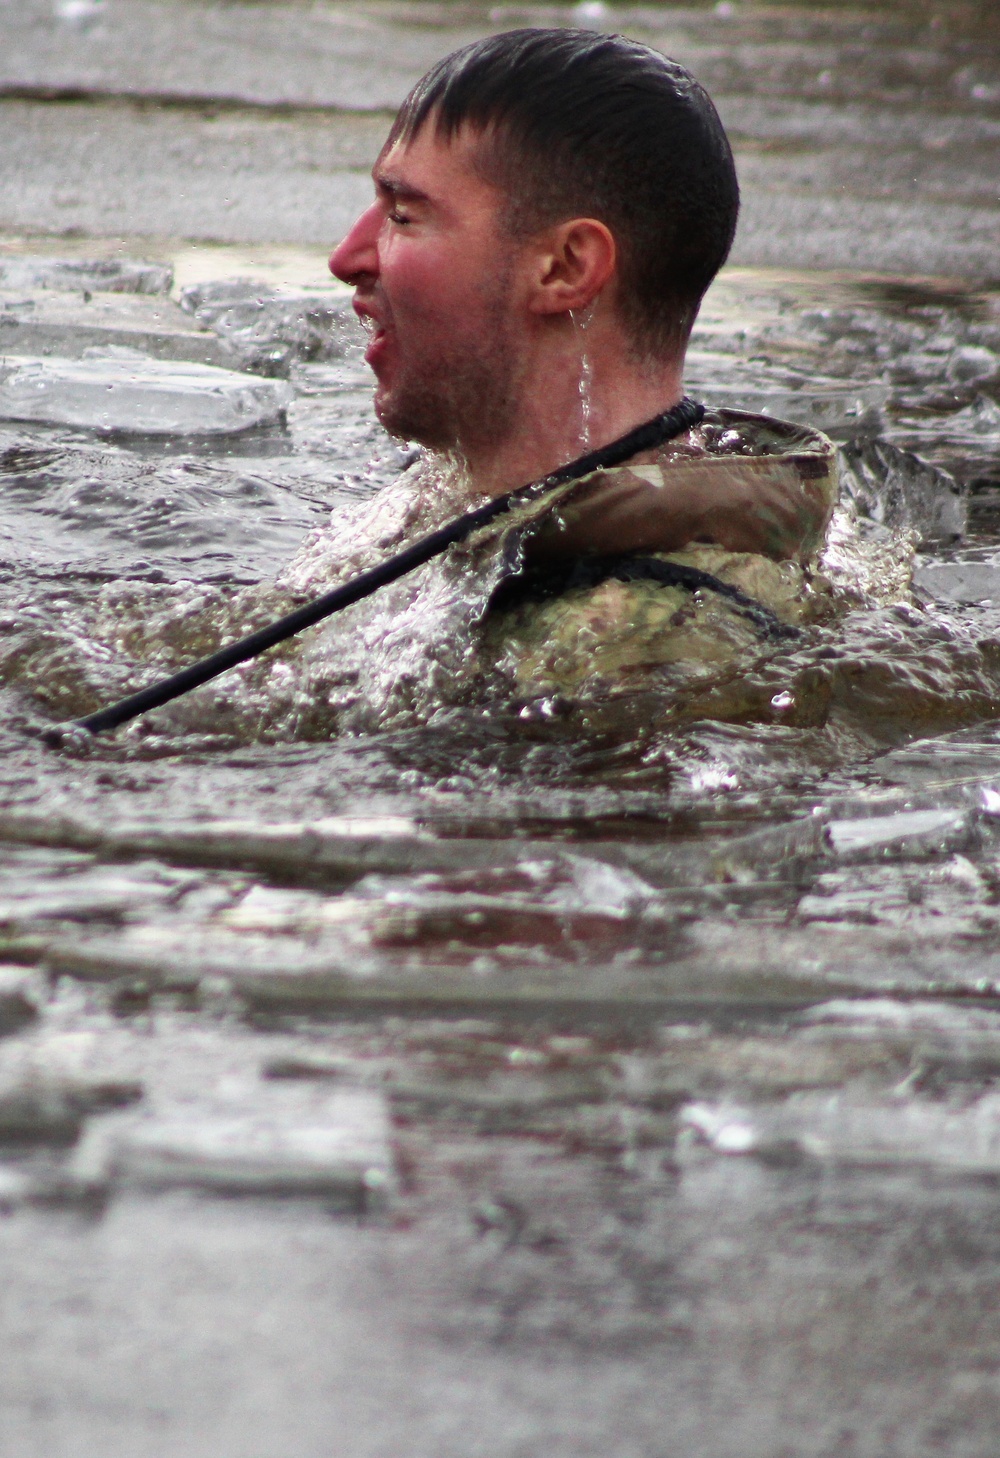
726 435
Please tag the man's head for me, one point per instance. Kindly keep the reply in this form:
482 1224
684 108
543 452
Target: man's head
521 137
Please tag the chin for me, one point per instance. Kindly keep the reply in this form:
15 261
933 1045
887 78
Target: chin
412 419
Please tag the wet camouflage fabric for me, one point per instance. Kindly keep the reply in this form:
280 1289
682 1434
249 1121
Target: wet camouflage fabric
618 631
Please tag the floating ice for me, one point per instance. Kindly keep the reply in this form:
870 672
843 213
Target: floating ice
919 1016
971 428
265 329
972 362
960 581
840 407
18 1004
121 392
856 1129
340 1150
902 492
910 832
78 12
67 324
95 275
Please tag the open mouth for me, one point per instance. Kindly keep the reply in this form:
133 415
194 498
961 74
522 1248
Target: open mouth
376 334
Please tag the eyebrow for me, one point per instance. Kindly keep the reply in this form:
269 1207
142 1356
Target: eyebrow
398 189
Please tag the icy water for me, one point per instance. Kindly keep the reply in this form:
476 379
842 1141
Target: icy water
599 1072
538 987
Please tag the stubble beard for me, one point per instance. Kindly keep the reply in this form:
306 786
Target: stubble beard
464 401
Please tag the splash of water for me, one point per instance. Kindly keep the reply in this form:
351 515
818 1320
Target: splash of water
581 321
428 645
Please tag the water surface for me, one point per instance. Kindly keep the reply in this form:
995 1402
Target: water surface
584 1065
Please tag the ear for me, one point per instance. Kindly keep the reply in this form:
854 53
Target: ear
573 263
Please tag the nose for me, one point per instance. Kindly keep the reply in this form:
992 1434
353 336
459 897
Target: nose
356 257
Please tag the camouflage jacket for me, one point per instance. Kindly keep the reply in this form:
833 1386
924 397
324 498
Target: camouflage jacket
736 478
588 592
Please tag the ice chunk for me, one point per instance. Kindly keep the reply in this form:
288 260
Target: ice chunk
67 325
960 581
15 1187
95 275
899 490
727 1129
775 853
909 833
341 1151
972 427
839 407
18 998
119 392
920 1016
567 897
39 1108
972 362
854 1128
265 329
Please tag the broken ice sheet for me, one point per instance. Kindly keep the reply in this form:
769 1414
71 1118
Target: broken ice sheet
968 755
937 1038
938 1048
94 892
20 995
971 430
50 1082
837 406
697 1061
265 329
569 898
896 895
94 275
959 581
856 1127
903 834
901 491
118 391
886 1013
336 1147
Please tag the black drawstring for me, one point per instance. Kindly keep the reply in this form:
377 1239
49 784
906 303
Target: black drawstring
542 582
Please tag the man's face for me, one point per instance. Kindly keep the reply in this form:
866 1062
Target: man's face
436 284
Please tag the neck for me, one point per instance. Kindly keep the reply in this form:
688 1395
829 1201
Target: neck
580 390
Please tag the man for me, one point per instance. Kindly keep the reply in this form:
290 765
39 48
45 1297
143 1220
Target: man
551 206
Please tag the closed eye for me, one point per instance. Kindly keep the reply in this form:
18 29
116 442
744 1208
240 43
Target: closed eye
396 196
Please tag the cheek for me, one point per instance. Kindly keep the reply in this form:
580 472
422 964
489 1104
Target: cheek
429 284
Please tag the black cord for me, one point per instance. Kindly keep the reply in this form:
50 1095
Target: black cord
545 581
652 433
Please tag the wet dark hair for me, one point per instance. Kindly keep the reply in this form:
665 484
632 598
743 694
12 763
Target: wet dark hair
577 124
